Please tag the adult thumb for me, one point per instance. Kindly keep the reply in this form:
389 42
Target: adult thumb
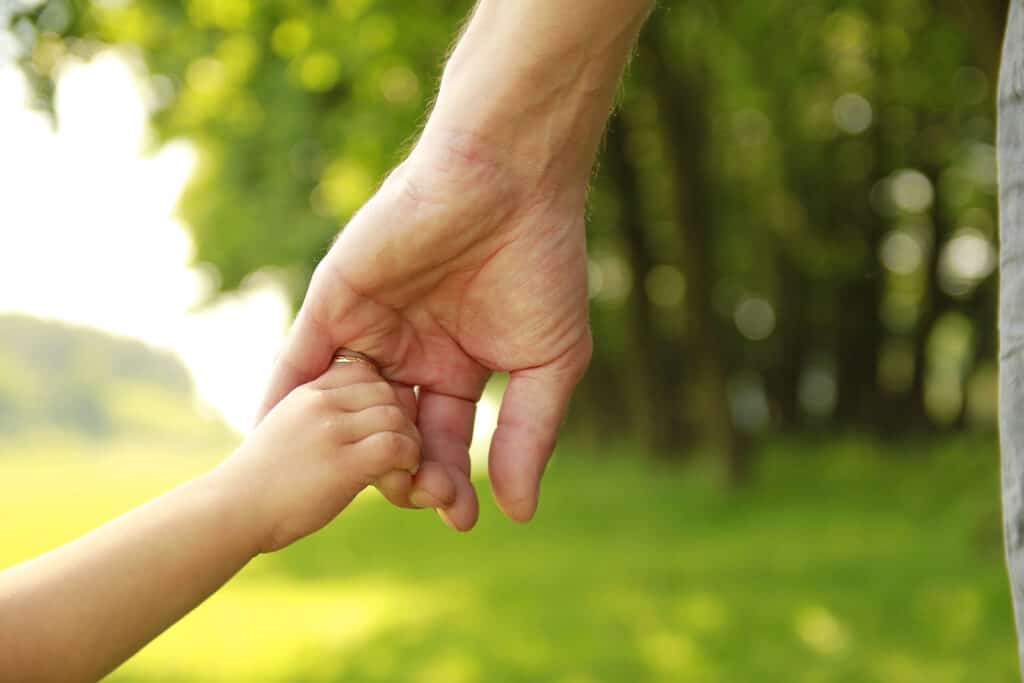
530 417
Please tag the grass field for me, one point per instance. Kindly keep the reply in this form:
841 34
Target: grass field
844 563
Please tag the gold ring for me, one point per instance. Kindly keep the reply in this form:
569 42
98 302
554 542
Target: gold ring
346 356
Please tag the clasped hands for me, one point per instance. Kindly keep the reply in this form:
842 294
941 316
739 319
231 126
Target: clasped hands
455 269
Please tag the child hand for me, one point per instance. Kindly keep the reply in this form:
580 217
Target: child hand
318 448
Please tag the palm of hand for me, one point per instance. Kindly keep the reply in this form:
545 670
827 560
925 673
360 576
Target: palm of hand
442 282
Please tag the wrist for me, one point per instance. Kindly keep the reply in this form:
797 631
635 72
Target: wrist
233 508
531 84
547 143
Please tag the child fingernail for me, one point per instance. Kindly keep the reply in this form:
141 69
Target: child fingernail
422 499
446 519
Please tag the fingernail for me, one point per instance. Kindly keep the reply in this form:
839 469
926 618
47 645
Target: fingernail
421 499
446 519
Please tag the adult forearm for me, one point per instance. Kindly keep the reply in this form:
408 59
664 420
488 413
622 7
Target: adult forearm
76 613
531 84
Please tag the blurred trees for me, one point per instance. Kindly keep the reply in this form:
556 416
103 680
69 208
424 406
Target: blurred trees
793 224
819 221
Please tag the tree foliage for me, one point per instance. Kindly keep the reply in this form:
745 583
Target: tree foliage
793 224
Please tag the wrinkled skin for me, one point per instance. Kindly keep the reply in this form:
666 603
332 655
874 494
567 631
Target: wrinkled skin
456 268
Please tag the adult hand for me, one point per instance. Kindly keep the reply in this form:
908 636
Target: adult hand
454 269
471 257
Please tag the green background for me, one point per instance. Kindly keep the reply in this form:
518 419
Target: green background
782 464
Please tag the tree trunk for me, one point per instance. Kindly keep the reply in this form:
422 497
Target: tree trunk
659 375
683 111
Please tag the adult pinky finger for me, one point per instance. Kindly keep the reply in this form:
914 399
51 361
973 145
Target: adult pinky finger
462 514
446 425
528 422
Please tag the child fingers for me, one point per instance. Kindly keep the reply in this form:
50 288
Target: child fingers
356 397
388 418
383 452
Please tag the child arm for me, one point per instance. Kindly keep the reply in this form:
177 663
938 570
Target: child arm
76 613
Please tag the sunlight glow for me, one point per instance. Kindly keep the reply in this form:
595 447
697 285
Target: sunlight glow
88 234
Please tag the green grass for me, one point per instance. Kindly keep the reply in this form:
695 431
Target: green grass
844 563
